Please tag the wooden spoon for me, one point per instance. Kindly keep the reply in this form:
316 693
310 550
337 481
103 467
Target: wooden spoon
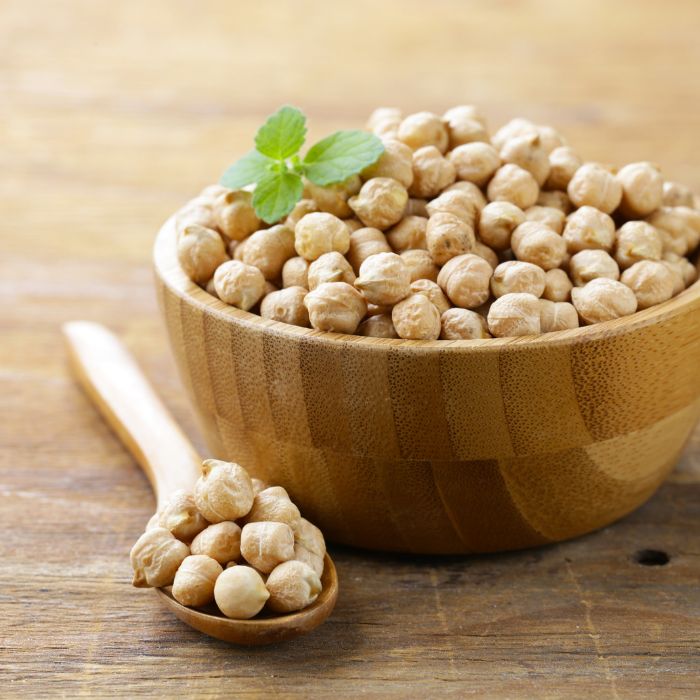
123 395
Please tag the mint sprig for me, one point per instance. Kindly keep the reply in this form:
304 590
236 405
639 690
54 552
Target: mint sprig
276 169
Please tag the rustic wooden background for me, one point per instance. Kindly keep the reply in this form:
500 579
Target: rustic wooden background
111 115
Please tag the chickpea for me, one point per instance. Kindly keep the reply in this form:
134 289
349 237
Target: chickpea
592 185
483 251
181 517
236 249
635 241
537 244
274 505
432 172
433 292
156 557
454 115
642 189
264 545
258 486
318 233
239 284
515 127
475 162
195 579
221 542
563 163
691 218
213 191
396 162
677 272
268 250
672 225
408 234
303 555
210 288
416 207
588 265
377 309
295 272
603 299
465 279
555 199
455 202
416 318
293 585
513 184
223 491
557 285
310 537
676 195
235 215
199 211
154 521
651 281
420 265
366 242
463 324
301 209
516 276
200 251
335 306
378 326
588 228
465 125
286 306
526 152
330 267
424 129
557 316
469 188
380 203
448 236
550 138
240 593
549 216
383 114
384 279
513 315
353 224
333 199
685 268
387 128
497 222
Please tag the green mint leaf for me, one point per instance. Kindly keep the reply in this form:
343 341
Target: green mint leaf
252 167
341 155
283 134
276 194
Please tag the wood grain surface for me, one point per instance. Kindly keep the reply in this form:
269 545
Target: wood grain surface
111 115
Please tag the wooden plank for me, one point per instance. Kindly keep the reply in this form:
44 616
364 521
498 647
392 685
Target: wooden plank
112 115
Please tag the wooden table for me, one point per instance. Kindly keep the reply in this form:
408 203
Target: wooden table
112 115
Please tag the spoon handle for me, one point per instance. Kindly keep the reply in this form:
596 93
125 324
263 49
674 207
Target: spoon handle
118 388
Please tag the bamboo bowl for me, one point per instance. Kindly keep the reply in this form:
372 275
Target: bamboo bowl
441 447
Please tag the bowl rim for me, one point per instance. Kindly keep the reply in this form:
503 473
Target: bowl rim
168 269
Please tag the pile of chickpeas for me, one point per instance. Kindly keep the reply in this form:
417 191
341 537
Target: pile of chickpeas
454 234
234 542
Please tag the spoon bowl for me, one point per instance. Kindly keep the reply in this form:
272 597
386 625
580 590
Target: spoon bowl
114 382
261 630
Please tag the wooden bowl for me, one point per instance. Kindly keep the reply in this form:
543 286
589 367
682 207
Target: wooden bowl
441 447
